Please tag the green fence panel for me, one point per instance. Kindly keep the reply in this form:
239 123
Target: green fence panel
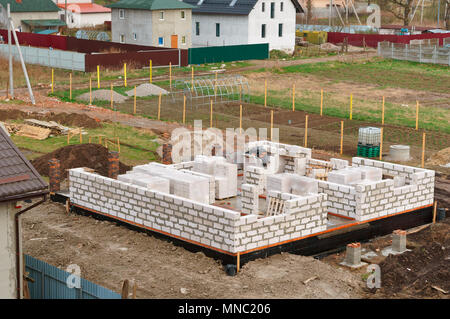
229 53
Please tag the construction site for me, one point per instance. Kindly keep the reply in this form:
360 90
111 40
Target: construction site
334 162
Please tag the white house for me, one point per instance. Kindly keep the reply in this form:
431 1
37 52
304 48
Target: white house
83 13
233 22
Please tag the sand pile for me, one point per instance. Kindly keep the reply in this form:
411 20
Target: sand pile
147 89
440 158
103 95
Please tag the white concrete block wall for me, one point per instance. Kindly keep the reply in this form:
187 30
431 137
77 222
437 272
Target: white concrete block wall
255 176
249 199
341 198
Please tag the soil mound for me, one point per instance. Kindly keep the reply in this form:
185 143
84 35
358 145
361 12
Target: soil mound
440 158
103 95
67 119
94 156
147 89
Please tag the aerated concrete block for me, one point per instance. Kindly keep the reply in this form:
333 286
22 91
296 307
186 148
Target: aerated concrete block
345 176
371 173
156 183
337 163
301 185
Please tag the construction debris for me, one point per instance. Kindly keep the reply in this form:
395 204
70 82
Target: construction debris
34 132
55 128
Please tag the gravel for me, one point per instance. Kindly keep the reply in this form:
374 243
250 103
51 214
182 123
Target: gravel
103 95
147 89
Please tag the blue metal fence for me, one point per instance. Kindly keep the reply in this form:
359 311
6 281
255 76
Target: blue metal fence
50 283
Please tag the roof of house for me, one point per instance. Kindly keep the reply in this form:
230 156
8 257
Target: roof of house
30 5
44 23
240 7
150 4
18 178
85 8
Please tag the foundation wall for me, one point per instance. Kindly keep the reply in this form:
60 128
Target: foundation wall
341 198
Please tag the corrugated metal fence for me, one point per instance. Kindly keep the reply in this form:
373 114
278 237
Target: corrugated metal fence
229 53
50 283
52 58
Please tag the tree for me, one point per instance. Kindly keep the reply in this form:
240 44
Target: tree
401 9
309 7
447 15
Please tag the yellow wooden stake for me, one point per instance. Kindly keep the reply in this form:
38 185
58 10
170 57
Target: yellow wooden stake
70 76
151 71
306 131
90 90
240 119
434 211
265 93
118 144
417 115
159 106
271 124
321 102
293 97
342 137
98 76
423 149
351 106
170 74
134 106
112 98
382 113
211 115
184 109
53 75
238 263
381 144
125 74
81 137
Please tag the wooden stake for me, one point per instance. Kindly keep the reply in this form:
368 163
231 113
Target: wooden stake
151 71
81 137
351 106
90 90
321 102
293 98
240 119
265 93
423 149
112 98
211 115
125 289
238 264
118 144
417 115
53 75
434 211
382 113
170 74
381 144
306 131
98 76
192 79
271 124
184 109
159 106
125 74
70 76
342 137
134 106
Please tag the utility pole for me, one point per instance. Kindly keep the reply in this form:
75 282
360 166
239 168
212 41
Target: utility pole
439 12
329 14
11 78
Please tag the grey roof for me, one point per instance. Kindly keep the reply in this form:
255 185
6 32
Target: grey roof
18 178
241 7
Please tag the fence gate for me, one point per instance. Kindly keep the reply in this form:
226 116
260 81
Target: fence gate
50 283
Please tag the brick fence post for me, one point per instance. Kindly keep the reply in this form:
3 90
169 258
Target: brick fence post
399 240
113 164
167 154
353 254
54 174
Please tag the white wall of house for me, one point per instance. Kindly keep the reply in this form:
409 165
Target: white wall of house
286 18
233 29
8 285
17 18
78 20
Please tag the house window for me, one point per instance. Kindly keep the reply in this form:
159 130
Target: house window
272 10
160 41
134 36
161 15
280 30
121 14
217 29
263 31
183 16
282 6
183 39
122 38
197 28
263 6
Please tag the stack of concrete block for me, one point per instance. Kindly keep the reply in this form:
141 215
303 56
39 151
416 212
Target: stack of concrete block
372 174
211 183
249 199
345 176
279 182
337 163
301 185
292 183
159 184
226 180
300 166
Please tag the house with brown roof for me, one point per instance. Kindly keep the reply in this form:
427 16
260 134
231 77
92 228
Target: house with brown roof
19 181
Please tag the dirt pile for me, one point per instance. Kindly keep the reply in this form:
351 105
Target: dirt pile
82 155
147 89
67 119
428 265
440 158
103 95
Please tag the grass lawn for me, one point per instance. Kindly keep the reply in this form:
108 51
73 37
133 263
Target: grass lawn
137 146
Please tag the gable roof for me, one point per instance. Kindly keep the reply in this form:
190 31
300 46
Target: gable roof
30 5
240 7
150 4
84 8
18 178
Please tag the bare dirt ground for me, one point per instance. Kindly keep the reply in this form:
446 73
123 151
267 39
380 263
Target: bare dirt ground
108 254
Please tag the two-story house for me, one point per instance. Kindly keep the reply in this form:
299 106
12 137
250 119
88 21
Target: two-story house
165 23
233 22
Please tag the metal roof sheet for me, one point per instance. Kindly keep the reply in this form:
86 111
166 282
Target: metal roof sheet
240 7
30 5
150 4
